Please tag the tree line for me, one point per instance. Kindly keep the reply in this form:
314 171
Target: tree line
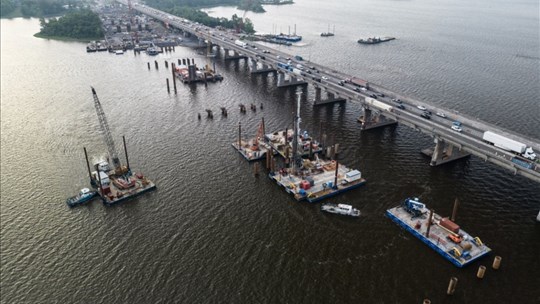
188 9
79 24
36 8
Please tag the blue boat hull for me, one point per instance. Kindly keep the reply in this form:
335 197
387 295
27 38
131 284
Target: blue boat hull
420 236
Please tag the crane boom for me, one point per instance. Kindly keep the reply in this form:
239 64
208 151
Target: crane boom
106 132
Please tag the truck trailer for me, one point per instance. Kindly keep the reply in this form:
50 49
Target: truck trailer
240 43
379 105
358 82
509 144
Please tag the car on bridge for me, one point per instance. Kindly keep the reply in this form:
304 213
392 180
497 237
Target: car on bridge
324 78
421 108
440 114
425 115
456 126
401 106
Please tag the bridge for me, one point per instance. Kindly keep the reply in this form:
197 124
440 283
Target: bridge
381 106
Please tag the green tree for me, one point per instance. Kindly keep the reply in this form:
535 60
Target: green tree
7 7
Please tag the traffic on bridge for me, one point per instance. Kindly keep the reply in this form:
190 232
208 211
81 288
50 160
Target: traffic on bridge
455 134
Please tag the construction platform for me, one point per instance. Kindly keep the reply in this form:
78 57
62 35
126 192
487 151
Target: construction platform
283 145
315 181
456 246
116 189
252 149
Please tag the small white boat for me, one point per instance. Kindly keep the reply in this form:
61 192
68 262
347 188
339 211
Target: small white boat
342 209
119 52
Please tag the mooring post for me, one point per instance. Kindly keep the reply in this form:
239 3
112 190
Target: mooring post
337 167
239 135
168 88
174 77
148 63
166 64
452 286
454 212
155 62
429 222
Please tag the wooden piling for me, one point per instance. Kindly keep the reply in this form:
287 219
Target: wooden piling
452 286
173 68
481 272
454 212
429 222
337 168
156 64
256 169
166 64
239 135
168 87
148 63
497 262
268 152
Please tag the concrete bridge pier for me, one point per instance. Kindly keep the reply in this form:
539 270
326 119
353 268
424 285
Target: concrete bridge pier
257 67
444 152
330 97
285 80
233 56
373 119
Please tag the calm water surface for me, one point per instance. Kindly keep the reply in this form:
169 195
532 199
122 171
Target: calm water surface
212 232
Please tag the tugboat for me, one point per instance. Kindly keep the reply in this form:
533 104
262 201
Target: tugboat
84 196
342 209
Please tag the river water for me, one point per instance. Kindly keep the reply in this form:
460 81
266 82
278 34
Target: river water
212 232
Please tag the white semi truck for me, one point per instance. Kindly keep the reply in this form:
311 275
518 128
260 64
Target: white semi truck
509 145
379 105
240 43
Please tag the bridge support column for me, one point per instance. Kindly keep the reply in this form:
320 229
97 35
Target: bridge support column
285 80
234 55
330 98
259 67
443 152
373 119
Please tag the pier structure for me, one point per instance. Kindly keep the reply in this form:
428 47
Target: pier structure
286 80
331 97
444 152
373 118
293 71
232 54
257 67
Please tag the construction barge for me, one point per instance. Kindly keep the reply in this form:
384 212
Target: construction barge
318 180
282 141
312 180
439 233
254 148
116 184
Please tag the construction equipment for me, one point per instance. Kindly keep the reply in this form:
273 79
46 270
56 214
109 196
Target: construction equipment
106 132
414 207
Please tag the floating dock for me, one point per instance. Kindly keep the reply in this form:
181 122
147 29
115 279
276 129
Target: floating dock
283 144
441 234
317 180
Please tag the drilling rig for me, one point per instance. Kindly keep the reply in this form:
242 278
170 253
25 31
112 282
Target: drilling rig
107 134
